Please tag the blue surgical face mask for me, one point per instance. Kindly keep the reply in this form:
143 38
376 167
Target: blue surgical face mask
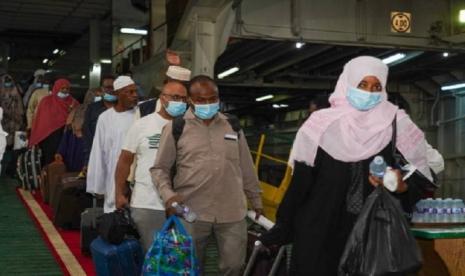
363 100
206 111
176 109
62 95
38 85
97 99
8 84
109 97
45 86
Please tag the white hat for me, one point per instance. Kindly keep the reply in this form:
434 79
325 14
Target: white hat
178 73
39 72
122 82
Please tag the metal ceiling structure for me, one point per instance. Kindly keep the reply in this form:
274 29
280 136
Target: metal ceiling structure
278 67
34 28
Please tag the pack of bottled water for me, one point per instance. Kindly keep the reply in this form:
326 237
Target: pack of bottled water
439 211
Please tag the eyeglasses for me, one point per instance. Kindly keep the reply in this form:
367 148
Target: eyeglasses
175 98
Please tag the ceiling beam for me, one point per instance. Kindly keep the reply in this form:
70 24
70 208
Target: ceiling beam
304 53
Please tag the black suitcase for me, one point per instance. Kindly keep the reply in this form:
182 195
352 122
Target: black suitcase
89 226
29 168
54 191
72 200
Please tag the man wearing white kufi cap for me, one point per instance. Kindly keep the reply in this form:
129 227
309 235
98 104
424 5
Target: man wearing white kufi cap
175 73
112 126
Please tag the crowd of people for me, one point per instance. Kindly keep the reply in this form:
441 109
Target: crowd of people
181 148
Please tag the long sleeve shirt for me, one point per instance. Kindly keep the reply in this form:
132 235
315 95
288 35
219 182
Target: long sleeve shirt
214 169
34 101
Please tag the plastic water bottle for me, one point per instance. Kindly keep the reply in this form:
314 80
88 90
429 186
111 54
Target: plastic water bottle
437 204
456 211
419 214
378 166
447 210
428 210
184 211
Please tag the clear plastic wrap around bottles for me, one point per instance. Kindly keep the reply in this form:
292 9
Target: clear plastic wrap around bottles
439 211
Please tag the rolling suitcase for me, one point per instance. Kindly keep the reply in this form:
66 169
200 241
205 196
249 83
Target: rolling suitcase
50 176
54 191
30 168
72 200
262 262
89 226
117 260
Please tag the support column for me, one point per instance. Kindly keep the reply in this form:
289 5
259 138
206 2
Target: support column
209 40
203 48
94 53
158 27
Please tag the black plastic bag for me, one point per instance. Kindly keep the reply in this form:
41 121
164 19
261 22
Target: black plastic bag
381 242
116 226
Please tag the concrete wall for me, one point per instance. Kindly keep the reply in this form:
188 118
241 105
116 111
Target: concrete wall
359 22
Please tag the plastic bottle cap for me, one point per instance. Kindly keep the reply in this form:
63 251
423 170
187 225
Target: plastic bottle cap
378 160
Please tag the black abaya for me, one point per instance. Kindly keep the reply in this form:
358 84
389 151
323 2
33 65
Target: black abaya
49 146
321 206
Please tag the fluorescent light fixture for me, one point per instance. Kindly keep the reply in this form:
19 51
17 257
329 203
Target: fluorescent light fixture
56 51
106 61
394 58
299 45
445 54
277 106
48 71
264 98
228 72
133 31
45 60
8 58
462 16
62 52
83 77
453 86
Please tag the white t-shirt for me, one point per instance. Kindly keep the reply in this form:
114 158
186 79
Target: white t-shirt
143 140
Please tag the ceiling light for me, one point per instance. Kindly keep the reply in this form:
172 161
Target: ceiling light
56 51
228 72
62 52
106 61
445 54
462 16
453 86
394 58
264 98
83 77
8 58
277 106
133 31
45 60
299 45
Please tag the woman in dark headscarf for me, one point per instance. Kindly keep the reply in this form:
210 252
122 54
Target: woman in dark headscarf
13 110
50 119
71 149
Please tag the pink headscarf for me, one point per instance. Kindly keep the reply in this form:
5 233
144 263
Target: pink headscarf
350 135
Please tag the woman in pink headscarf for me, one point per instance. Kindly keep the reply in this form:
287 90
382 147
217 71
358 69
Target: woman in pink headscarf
330 159
50 119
